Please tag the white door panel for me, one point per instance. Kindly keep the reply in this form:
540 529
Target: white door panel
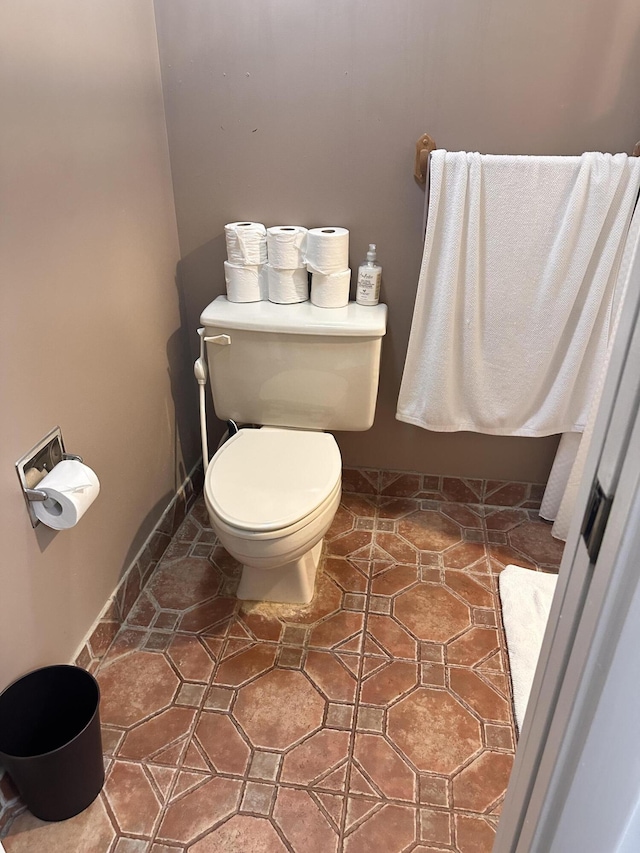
592 599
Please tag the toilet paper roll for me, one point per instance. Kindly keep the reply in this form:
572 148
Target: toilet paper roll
288 285
330 291
327 250
286 246
264 283
246 243
245 283
71 488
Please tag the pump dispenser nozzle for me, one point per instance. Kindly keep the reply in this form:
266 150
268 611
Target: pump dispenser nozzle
371 254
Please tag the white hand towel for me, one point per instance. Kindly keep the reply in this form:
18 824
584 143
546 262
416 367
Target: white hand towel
526 597
514 297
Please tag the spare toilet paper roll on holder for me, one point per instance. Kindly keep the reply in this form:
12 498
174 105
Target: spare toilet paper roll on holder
42 457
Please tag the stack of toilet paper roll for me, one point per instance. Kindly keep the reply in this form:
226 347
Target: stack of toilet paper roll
328 262
286 271
245 268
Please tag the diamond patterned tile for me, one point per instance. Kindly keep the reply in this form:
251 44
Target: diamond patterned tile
484 700
245 665
221 742
391 828
396 507
242 832
473 834
465 555
376 719
391 638
132 798
154 735
388 683
394 580
315 757
303 823
400 485
477 787
385 767
534 540
199 810
473 646
338 630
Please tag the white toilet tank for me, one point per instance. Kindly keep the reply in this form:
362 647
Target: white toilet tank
295 365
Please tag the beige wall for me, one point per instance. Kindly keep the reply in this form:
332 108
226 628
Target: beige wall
89 308
307 111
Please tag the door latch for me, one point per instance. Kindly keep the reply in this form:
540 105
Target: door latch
595 520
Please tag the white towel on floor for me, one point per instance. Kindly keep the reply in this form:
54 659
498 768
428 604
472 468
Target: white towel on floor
526 598
514 297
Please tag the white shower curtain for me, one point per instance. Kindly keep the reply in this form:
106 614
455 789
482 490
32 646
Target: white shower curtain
560 495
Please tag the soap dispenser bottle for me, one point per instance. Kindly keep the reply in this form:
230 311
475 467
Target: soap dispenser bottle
369 275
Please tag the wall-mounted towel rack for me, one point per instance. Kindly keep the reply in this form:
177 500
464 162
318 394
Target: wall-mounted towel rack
426 144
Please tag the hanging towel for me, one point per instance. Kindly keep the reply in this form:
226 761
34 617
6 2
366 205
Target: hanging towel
514 297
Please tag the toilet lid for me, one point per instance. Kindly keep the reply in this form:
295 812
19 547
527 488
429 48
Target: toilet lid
269 478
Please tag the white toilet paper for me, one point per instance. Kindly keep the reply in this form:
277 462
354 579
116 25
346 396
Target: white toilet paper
287 285
264 283
246 243
286 246
245 283
72 488
330 291
327 250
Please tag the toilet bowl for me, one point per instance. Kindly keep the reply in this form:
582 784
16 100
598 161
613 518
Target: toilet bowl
271 495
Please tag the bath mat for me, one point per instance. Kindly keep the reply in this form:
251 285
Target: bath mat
526 598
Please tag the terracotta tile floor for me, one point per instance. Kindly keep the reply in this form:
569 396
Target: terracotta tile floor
378 718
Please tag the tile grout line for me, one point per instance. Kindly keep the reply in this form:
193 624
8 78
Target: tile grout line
180 763
189 739
356 704
359 681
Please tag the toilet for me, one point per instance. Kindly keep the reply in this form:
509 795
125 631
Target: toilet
288 373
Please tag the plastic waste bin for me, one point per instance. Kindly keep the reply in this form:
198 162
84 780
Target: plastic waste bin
50 741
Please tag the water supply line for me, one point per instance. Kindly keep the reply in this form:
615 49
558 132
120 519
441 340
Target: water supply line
201 373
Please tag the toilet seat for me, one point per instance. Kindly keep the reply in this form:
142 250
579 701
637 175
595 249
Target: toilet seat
263 481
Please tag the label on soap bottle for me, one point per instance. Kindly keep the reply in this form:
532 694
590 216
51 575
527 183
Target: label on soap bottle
368 286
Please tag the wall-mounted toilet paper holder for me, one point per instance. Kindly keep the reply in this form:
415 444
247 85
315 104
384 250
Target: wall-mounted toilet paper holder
37 463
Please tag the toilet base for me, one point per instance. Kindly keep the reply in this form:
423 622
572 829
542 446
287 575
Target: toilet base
292 583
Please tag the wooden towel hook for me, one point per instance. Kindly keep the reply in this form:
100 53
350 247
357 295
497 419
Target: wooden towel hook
424 146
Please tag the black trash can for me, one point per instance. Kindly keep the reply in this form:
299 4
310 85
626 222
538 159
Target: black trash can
50 741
